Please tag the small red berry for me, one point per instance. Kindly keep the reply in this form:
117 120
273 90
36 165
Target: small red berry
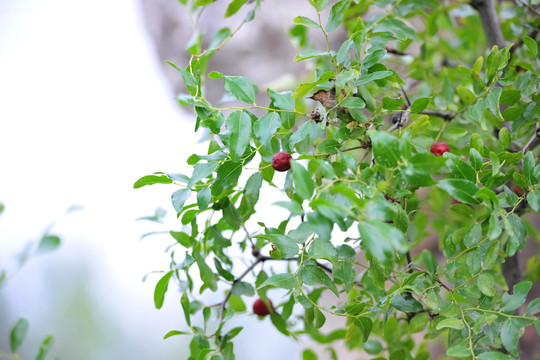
439 148
281 161
260 308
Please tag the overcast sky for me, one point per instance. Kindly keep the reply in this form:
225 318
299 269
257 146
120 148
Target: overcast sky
84 112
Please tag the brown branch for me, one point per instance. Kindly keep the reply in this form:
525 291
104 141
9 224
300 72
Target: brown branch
490 22
441 283
237 280
322 266
445 115
395 51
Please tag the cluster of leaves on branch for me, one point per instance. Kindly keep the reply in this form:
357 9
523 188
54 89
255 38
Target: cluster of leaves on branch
364 191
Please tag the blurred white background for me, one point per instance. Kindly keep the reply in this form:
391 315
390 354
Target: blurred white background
84 112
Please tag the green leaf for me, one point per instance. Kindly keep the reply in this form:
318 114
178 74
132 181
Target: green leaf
385 148
18 333
473 235
364 79
284 281
485 284
533 198
420 167
451 323
203 2
504 138
201 171
226 177
161 289
328 146
45 347
336 15
243 288
307 22
314 275
512 302
460 189
475 159
178 199
381 240
406 302
511 331
48 243
528 169
182 238
239 124
465 94
419 105
477 67
241 88
322 248
233 7
509 97
319 4
515 227
494 355
305 87
152 179
461 170
204 196
308 54
251 194
189 79
217 39
304 132
303 182
531 45
391 104
459 351
186 307
365 325
285 244
397 28
343 54
175 332
353 102
533 307
207 275
266 127
309 355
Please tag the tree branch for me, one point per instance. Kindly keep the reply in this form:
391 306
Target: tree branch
535 136
445 115
238 279
490 22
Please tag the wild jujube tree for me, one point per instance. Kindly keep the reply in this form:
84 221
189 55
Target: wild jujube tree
418 125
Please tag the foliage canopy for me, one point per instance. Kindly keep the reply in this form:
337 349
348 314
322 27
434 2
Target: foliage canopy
364 193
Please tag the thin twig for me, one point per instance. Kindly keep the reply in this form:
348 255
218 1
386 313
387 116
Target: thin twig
535 136
445 115
237 280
